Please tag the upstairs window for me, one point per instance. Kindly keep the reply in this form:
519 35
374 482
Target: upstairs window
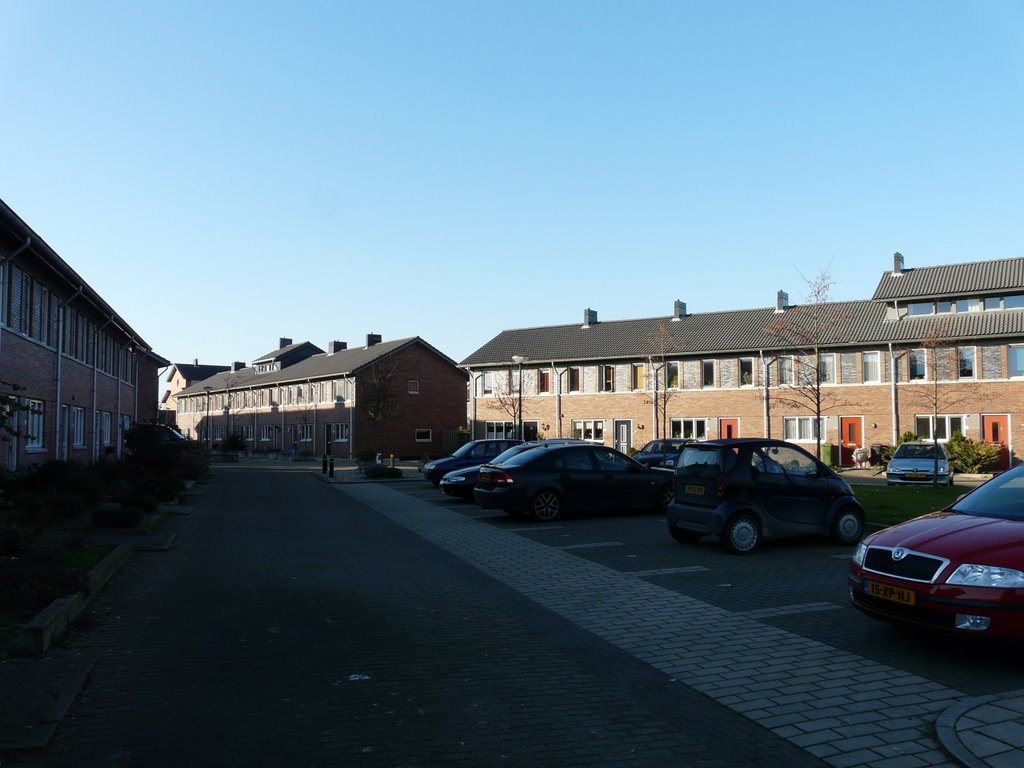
607 378
917 365
638 376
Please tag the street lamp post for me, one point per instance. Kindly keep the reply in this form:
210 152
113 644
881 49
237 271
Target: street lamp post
519 360
209 436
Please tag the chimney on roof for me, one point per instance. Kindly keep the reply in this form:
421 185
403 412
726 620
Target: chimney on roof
589 317
336 346
195 361
237 366
371 339
897 263
781 301
283 342
678 310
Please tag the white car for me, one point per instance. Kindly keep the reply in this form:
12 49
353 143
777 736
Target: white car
914 463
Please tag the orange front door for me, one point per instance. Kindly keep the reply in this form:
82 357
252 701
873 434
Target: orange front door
996 430
851 437
728 428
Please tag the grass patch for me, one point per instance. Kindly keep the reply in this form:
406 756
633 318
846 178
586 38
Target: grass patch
891 504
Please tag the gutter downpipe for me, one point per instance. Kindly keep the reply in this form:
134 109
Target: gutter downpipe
558 399
893 401
471 412
58 446
765 414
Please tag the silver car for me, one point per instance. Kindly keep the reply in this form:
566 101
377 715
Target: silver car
918 463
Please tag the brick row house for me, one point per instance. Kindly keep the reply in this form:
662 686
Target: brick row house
76 374
934 351
401 398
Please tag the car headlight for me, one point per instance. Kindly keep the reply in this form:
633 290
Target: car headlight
859 553
456 479
971 575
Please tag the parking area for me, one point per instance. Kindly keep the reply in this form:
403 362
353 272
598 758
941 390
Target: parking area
796 585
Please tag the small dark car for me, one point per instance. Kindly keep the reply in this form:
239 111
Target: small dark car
748 489
460 482
549 482
472 454
655 452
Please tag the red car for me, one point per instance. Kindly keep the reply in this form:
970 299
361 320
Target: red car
959 570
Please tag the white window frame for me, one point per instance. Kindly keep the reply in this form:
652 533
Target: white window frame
673 370
689 429
704 367
1015 356
949 423
865 365
972 353
338 432
917 354
827 368
749 363
35 425
499 430
414 386
77 427
305 433
593 427
801 429
606 379
424 436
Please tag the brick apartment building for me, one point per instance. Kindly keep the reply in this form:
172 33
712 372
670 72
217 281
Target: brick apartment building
300 398
934 351
181 376
79 374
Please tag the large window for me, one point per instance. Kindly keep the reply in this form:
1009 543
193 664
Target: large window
671 375
803 429
827 368
607 378
1015 360
35 424
638 376
917 364
746 371
944 427
338 432
487 383
575 380
78 427
707 373
786 370
871 368
691 429
105 425
266 433
587 429
965 362
496 430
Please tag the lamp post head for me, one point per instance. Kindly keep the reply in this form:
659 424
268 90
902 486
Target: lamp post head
520 359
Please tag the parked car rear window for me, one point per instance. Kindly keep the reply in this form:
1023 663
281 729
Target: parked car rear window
704 461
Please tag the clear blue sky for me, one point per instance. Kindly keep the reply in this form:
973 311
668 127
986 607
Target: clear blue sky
227 173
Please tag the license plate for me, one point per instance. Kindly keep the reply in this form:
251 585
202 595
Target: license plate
695 490
893 594
917 476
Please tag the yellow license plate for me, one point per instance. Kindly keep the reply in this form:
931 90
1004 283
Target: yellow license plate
696 490
893 594
917 475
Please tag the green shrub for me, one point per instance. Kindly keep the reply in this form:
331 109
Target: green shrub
381 471
971 456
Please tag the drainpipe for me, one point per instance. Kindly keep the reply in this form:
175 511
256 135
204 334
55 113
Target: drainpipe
558 398
351 424
765 413
893 400
471 414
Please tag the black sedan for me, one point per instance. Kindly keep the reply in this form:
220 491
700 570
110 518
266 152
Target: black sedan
656 451
571 478
460 482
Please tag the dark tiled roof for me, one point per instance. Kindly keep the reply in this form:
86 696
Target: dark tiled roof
287 352
320 366
833 324
192 372
976 278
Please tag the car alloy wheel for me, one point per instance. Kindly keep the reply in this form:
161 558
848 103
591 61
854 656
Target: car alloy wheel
847 526
547 506
741 535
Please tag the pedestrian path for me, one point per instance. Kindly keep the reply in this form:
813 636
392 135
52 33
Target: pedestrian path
843 708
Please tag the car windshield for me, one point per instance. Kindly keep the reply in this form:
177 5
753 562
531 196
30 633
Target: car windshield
508 454
703 461
918 451
1001 497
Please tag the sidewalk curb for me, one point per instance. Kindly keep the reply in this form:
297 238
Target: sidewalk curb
945 730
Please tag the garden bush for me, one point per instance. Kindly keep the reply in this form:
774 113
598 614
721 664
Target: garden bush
971 456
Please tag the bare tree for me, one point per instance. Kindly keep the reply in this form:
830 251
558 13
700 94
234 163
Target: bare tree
378 393
662 344
938 348
509 394
804 334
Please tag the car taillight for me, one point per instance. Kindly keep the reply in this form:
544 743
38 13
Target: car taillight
720 486
501 478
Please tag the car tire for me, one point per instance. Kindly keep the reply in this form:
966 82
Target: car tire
847 526
684 536
546 506
742 534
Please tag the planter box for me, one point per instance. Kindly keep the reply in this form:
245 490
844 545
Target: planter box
39 634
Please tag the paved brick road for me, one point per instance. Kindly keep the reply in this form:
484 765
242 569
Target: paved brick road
301 624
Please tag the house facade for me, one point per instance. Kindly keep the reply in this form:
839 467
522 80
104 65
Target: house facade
934 351
181 376
74 374
401 398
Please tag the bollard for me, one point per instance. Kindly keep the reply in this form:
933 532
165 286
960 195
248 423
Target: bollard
392 464
330 467
324 470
